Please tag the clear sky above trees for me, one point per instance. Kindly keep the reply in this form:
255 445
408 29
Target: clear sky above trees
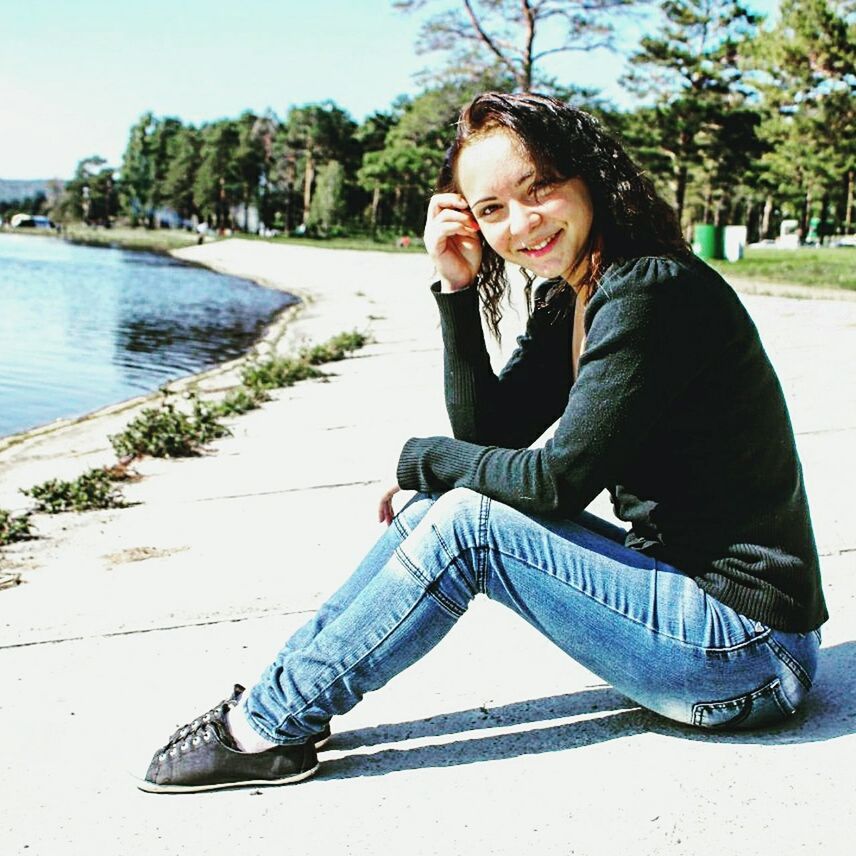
76 76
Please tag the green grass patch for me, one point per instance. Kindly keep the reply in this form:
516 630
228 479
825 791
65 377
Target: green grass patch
277 372
240 400
167 432
149 240
345 242
95 489
832 267
335 349
14 527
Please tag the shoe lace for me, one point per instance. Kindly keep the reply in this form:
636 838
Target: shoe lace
193 731
193 738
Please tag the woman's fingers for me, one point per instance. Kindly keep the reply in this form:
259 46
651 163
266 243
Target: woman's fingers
385 509
453 210
441 201
452 240
450 222
444 231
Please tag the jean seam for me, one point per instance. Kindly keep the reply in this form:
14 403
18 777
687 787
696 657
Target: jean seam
481 571
744 703
790 661
400 526
338 675
428 585
655 631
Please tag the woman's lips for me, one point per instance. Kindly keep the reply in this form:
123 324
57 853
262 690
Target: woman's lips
541 251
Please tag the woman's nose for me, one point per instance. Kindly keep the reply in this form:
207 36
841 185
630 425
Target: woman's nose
521 218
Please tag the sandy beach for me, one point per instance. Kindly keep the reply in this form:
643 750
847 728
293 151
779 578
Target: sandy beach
129 622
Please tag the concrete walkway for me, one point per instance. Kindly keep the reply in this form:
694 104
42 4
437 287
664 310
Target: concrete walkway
131 622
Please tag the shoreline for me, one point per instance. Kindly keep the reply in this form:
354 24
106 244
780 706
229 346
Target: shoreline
265 343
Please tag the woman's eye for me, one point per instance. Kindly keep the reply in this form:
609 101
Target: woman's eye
541 189
487 210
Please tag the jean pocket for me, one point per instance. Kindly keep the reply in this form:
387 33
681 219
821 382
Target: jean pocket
764 706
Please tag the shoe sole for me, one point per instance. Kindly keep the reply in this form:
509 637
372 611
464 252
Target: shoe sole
152 788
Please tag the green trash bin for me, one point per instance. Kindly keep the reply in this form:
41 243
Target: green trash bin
709 241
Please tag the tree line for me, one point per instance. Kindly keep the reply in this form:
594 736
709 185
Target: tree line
739 122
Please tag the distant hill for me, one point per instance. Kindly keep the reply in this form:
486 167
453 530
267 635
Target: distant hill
22 188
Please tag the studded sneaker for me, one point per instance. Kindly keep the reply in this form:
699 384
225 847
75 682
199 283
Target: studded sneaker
218 714
202 756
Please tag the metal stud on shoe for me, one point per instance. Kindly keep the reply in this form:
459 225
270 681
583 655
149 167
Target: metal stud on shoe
211 761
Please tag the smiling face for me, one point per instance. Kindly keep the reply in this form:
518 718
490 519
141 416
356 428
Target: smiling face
543 227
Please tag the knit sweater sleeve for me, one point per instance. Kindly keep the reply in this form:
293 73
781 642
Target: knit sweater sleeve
610 408
514 408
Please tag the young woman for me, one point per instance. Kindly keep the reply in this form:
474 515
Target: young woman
706 609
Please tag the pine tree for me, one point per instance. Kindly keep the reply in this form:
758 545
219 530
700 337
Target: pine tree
691 68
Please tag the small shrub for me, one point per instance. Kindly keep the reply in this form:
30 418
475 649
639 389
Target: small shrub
352 340
334 349
240 400
207 422
277 372
93 490
167 432
14 527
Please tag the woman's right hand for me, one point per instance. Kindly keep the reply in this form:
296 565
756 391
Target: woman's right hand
452 241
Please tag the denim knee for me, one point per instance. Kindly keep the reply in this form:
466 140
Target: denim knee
444 552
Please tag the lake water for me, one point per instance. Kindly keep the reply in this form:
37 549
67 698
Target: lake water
84 327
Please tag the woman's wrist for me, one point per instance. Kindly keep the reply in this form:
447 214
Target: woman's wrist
448 286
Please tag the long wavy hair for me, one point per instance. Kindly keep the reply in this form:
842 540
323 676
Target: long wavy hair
630 219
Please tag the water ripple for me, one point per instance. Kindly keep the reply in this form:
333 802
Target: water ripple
83 327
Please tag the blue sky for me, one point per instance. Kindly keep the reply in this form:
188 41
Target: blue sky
76 74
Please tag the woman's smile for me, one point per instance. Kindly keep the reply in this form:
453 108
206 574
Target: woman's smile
542 226
541 248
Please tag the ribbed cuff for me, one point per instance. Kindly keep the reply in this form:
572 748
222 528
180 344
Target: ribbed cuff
437 463
460 321
409 463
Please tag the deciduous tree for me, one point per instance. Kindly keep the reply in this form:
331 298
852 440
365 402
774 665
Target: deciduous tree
512 37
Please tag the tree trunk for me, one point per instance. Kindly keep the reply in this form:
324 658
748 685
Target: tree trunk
804 215
680 193
375 206
399 214
824 213
767 216
308 178
529 16
848 205
752 227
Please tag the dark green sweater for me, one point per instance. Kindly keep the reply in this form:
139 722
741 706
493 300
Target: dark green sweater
676 411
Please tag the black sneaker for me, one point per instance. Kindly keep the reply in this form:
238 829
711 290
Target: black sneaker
207 760
218 714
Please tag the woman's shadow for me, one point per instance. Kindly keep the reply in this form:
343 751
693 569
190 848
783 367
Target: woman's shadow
827 713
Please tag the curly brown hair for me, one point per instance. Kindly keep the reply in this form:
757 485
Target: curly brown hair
630 218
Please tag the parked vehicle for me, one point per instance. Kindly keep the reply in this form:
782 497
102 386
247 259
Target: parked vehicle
31 221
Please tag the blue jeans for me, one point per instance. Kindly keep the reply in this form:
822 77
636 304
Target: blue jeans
641 625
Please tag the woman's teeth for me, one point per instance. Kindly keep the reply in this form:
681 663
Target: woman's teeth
534 248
